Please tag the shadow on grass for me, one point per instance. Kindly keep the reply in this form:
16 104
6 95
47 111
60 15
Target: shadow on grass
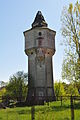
60 108
24 112
43 109
19 111
77 105
52 108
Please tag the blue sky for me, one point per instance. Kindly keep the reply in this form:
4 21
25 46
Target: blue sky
17 16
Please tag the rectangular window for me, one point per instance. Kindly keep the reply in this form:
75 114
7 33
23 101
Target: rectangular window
39 42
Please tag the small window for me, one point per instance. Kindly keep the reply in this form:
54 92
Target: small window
39 42
40 33
40 66
31 53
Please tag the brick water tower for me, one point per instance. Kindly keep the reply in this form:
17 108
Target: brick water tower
40 47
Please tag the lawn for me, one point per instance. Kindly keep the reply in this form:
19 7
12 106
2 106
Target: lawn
52 112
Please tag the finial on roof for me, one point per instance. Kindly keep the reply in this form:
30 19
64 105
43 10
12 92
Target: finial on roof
39 21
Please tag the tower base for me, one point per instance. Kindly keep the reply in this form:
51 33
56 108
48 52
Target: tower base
30 101
40 95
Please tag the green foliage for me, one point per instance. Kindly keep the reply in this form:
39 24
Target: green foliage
64 89
59 89
17 87
71 33
72 90
2 91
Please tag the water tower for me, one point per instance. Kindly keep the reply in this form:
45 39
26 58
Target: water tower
40 47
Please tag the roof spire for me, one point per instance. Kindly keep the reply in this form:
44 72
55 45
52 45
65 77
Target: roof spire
39 21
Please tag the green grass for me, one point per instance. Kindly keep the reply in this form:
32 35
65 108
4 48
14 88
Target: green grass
52 112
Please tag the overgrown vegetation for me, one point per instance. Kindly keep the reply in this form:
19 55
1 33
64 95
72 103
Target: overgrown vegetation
52 112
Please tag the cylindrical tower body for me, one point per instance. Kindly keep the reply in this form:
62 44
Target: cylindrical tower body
40 47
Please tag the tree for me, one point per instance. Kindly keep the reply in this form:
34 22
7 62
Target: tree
59 89
72 90
71 33
17 87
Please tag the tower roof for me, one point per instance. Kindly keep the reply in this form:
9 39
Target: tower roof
39 21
